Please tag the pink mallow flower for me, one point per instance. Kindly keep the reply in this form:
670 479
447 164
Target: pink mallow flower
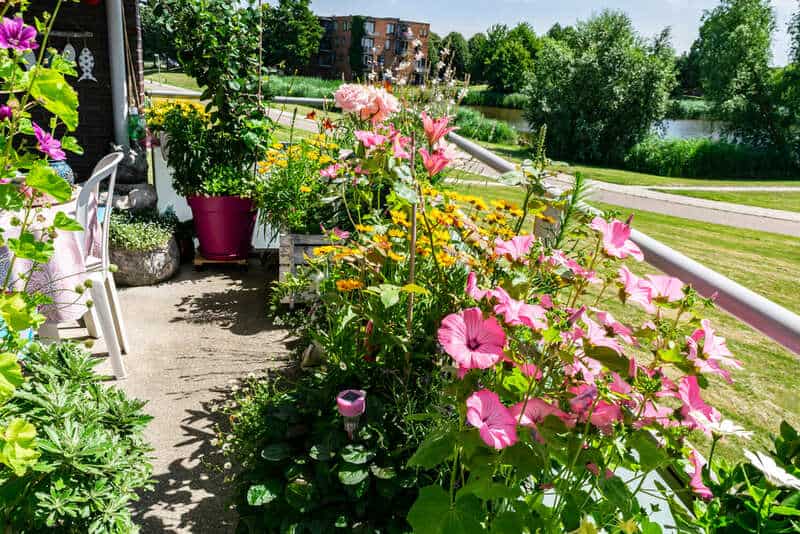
696 482
494 422
48 145
596 336
635 290
330 171
616 239
713 352
663 288
615 327
516 249
16 35
370 139
518 313
696 413
600 413
435 129
472 289
558 259
472 341
537 410
6 113
434 162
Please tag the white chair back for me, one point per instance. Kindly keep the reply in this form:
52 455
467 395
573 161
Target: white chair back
106 169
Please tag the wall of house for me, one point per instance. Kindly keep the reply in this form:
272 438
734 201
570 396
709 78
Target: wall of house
96 129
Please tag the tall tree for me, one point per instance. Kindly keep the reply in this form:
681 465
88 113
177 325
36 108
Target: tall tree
566 34
292 33
507 66
689 72
477 52
524 33
794 33
600 92
735 51
459 57
434 45
156 39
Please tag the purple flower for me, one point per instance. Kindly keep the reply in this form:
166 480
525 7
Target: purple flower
5 113
48 144
15 34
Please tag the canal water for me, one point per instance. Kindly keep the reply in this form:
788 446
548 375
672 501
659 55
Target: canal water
671 129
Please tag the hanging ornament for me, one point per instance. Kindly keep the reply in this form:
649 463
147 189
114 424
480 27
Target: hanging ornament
69 53
86 62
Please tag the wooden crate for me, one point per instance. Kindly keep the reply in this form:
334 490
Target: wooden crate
293 250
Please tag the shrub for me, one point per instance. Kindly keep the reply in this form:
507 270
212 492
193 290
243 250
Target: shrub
302 86
707 158
487 97
475 125
94 457
142 231
689 109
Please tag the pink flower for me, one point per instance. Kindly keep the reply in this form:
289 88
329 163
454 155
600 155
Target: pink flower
338 234
696 482
381 105
635 290
517 313
16 35
351 98
714 352
584 398
434 163
331 171
496 425
472 341
352 402
473 291
399 144
616 242
601 413
546 302
655 414
537 410
625 333
596 336
558 259
663 287
529 370
6 113
516 249
696 413
48 145
448 150
435 129
370 139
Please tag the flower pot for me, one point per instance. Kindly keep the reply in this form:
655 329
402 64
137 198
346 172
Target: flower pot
145 267
224 226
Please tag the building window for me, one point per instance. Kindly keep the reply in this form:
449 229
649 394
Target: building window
369 27
389 29
334 25
345 26
388 45
423 32
367 43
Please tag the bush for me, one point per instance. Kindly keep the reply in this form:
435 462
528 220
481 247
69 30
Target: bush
689 109
473 124
142 231
707 158
94 457
487 97
302 86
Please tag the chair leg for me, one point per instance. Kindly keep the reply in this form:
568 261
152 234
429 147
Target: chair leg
49 331
91 322
116 310
106 320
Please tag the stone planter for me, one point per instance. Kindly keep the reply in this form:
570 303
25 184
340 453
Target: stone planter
138 268
293 249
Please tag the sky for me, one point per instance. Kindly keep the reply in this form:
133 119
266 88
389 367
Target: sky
472 16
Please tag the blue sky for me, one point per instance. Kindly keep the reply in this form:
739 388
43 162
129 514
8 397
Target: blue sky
472 16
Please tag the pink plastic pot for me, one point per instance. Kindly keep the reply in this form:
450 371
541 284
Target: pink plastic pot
224 226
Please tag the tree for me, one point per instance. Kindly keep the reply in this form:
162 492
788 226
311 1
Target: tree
292 33
601 91
794 33
155 37
356 51
565 34
735 54
689 72
524 33
507 66
459 57
434 45
477 52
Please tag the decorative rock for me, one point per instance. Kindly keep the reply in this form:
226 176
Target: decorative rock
138 268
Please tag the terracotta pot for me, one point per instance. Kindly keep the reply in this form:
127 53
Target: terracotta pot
224 226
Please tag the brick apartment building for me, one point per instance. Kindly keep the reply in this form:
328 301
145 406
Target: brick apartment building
387 43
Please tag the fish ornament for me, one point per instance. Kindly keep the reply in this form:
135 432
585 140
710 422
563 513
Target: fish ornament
69 53
86 63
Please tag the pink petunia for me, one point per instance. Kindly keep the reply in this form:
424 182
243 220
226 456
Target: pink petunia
713 353
616 239
696 413
517 313
435 129
635 290
370 139
16 35
696 482
516 249
494 422
434 162
663 288
472 341
48 145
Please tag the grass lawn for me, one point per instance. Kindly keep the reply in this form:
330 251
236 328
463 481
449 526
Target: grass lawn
765 392
780 200
178 79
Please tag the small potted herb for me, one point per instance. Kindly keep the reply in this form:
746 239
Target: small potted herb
143 247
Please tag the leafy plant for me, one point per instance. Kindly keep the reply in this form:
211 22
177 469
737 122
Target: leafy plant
142 231
473 124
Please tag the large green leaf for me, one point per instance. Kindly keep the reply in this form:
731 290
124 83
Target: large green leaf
425 516
28 247
10 198
436 448
651 456
352 474
46 181
18 446
356 454
276 452
265 493
56 95
63 222
464 517
10 376
19 314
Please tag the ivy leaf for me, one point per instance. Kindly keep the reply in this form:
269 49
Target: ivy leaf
261 494
351 474
436 448
356 454
18 447
46 181
56 95
10 376
425 516
66 223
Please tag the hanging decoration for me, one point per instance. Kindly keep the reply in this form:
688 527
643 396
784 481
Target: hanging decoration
69 53
86 63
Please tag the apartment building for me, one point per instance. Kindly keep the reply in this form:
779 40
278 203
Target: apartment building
386 44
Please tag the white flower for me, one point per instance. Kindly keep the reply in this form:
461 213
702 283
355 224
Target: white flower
774 474
227 465
729 428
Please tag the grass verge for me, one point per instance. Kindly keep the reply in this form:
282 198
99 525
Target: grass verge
779 200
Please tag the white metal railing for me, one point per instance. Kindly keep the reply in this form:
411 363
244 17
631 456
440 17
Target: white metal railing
773 320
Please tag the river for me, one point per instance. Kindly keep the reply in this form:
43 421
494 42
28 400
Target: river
672 129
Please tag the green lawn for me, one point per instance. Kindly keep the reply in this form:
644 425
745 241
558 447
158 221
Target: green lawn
178 79
765 392
779 200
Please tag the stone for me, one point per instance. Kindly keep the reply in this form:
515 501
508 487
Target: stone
146 268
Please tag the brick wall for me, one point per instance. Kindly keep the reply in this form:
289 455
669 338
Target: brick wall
96 129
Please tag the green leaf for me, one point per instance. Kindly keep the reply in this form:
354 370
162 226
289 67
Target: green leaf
321 453
382 473
299 495
10 376
464 518
651 456
66 223
608 357
786 511
436 448
506 522
356 454
18 446
406 192
671 355
352 474
56 95
19 314
426 515
46 181
28 247
390 294
275 452
71 144
10 198
261 494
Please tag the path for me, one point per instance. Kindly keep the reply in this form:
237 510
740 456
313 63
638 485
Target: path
193 337
729 188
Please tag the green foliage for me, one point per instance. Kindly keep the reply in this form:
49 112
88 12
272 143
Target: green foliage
434 46
507 62
689 109
356 51
477 50
143 230
487 97
474 125
601 91
794 33
689 79
706 158
459 53
301 86
292 34
93 456
156 38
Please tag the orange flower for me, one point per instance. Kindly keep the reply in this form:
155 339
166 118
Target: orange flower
348 285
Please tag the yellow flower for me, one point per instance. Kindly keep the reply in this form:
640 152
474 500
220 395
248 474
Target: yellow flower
324 250
445 260
345 286
325 159
305 189
396 233
277 146
394 256
363 228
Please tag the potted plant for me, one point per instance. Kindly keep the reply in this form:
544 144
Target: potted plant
143 247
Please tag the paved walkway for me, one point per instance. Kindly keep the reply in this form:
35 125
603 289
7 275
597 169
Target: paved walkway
729 188
193 337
